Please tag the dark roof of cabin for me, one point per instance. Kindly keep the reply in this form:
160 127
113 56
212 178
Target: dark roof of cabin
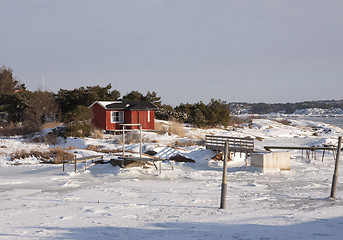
131 106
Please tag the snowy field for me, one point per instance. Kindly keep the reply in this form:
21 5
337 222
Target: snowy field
39 201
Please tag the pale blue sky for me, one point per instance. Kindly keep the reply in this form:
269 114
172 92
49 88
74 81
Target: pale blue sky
185 50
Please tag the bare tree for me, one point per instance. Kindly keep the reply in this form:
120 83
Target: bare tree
42 108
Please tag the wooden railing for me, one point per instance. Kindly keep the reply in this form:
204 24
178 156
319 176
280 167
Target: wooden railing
83 159
236 144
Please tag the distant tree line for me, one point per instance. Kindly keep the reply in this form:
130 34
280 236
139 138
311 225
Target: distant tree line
288 108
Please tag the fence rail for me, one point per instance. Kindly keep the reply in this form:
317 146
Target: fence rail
236 144
83 159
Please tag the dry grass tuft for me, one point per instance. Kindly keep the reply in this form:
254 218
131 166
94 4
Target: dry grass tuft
93 147
59 155
133 137
189 143
12 130
160 127
50 138
55 155
70 148
237 121
130 137
50 125
285 122
97 134
177 129
109 151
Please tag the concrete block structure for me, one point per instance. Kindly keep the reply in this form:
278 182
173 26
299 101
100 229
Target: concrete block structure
271 160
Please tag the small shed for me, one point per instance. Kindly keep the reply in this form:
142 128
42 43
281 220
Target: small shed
109 115
271 160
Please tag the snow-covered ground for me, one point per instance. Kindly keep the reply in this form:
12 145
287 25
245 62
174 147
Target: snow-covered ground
39 201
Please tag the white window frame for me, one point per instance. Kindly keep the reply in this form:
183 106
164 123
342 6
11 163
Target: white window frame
118 118
148 115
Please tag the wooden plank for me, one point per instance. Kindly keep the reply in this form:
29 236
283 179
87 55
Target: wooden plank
83 159
159 161
298 148
234 143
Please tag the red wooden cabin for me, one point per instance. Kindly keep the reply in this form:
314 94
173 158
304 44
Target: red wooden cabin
110 115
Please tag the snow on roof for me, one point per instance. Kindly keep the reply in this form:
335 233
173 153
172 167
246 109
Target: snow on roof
121 105
104 103
132 106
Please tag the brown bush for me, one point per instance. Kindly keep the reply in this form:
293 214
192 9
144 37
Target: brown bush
93 147
285 122
59 155
50 125
189 143
21 154
50 138
177 129
97 134
70 148
237 121
160 127
35 140
55 155
133 137
109 151
12 130
130 137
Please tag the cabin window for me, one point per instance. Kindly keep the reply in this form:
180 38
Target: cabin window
148 115
117 116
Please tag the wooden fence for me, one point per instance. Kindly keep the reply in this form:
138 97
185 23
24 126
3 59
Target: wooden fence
236 144
83 159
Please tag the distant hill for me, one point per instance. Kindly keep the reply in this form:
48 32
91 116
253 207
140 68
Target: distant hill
336 106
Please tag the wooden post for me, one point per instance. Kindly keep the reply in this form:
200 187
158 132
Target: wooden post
224 183
75 163
85 164
63 166
323 155
123 141
140 143
335 175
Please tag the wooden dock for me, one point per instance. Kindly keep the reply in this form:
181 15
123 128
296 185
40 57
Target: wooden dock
307 150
